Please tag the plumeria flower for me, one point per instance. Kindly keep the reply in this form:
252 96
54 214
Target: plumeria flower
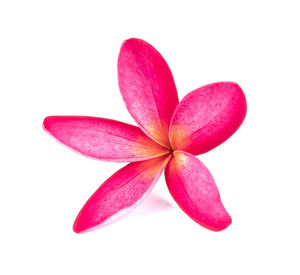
169 136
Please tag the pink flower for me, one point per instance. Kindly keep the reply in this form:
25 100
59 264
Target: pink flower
169 136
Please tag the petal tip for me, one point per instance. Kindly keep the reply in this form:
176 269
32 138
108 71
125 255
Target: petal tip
79 226
45 122
48 121
76 229
133 40
223 225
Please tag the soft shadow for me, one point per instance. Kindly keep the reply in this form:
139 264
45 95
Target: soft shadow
153 204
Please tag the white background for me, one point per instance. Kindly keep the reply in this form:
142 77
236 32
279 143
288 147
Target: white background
59 58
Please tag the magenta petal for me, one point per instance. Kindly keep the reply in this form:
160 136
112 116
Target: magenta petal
194 189
147 87
103 139
119 194
207 117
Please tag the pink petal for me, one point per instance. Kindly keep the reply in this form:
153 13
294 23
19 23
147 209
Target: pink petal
207 117
147 87
194 189
119 194
103 139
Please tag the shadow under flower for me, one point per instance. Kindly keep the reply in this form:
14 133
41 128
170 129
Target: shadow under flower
153 204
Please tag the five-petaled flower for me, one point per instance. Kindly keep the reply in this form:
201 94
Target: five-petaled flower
169 136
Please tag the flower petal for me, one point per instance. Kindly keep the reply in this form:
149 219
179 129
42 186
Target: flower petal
103 139
194 189
118 195
147 87
206 117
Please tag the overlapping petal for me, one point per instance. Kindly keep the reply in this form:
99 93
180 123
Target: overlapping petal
103 139
119 194
148 88
193 188
207 117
